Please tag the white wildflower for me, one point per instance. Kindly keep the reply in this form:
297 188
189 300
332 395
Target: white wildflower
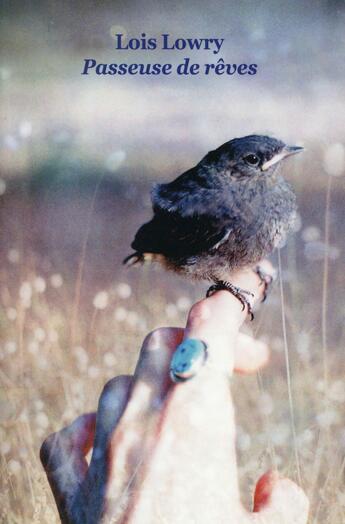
114 160
39 334
101 300
39 405
11 142
14 466
328 418
25 294
280 434
303 346
305 438
265 402
120 314
124 290
13 256
68 414
11 347
33 347
39 285
341 498
311 234
23 417
334 160
171 310
93 372
132 318
56 280
297 225
317 251
77 387
183 303
81 357
25 129
109 359
42 420
336 391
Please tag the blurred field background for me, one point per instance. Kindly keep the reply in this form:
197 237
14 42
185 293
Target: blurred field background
78 156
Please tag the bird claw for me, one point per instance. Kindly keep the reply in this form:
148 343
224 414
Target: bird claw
237 292
265 279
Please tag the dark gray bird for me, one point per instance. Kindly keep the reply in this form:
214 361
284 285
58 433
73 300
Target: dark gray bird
229 211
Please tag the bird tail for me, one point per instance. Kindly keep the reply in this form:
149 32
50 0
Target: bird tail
133 259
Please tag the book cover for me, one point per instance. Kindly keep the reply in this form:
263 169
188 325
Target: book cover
99 102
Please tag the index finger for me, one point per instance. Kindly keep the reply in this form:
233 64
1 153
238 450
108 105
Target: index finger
216 320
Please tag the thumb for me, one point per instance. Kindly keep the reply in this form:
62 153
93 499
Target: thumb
279 501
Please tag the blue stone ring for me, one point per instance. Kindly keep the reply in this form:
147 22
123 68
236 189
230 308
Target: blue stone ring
188 359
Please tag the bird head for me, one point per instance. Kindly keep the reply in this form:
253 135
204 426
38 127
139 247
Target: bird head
251 156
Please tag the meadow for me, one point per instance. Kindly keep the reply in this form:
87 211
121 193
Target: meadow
72 317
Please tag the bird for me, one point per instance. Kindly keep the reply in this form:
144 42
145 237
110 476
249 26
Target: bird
229 211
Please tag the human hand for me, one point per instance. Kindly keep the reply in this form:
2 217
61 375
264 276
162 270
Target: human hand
164 452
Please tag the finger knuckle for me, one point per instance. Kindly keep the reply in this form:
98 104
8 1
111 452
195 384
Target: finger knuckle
154 338
199 312
47 447
110 387
114 386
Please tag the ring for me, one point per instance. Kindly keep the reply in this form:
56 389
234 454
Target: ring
189 357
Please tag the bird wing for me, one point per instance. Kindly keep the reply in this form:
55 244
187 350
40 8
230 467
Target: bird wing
180 237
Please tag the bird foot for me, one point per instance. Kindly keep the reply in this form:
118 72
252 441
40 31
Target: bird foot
266 280
237 292
133 259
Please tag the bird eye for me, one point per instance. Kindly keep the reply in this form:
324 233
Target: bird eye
253 160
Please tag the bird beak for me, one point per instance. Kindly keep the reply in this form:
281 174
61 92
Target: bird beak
284 153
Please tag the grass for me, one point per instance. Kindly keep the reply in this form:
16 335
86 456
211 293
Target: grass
54 345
